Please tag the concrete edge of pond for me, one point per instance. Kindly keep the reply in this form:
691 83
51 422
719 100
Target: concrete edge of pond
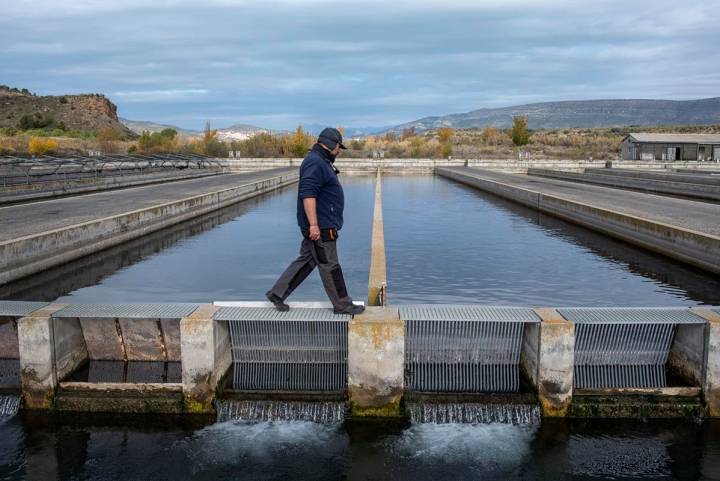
102 184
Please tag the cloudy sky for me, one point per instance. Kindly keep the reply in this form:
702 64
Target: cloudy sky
370 63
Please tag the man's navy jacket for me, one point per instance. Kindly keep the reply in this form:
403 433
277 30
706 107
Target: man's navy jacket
319 180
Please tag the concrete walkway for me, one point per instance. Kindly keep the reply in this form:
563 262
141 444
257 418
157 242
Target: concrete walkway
28 219
684 213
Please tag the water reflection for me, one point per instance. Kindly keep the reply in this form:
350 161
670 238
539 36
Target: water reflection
449 243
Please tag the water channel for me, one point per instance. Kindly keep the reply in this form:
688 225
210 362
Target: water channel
445 243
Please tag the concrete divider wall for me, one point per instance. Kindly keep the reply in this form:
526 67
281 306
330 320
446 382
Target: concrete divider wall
37 192
377 282
701 191
28 255
701 250
703 178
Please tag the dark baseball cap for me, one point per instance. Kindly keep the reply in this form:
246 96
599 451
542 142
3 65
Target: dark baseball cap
330 137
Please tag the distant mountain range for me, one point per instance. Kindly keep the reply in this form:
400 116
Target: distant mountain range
544 115
350 132
234 132
139 126
580 113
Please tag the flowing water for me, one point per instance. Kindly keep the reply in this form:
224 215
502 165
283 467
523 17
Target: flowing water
9 405
473 413
246 410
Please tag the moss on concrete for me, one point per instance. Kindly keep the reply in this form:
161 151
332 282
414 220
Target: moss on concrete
194 407
390 410
637 407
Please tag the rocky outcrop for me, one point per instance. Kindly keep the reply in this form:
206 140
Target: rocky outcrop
76 112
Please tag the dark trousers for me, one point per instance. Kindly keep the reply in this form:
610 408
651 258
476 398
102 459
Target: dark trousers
322 254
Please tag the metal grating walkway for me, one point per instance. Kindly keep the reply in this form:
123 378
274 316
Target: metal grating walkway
624 315
464 348
242 313
468 313
19 308
127 311
624 347
304 349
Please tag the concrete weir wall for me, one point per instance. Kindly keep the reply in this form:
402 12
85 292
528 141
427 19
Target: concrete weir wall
51 345
699 249
31 254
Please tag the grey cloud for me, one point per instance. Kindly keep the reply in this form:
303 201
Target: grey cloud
281 63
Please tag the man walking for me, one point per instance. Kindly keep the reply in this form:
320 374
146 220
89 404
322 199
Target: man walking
320 207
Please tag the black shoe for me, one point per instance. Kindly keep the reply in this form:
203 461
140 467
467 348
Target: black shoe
352 309
277 302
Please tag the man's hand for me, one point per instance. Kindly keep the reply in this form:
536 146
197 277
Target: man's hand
314 232
310 205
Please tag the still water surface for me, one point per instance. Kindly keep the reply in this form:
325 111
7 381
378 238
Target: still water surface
449 243
558 450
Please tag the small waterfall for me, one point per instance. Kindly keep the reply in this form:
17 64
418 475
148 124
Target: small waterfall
473 413
9 404
318 412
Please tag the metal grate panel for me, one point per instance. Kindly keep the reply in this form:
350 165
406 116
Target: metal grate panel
304 349
623 348
468 313
272 314
128 311
464 348
19 308
624 315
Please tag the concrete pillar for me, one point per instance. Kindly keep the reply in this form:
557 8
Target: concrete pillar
711 384
35 348
376 362
555 363
205 354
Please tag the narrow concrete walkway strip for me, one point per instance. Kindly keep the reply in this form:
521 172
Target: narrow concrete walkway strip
377 284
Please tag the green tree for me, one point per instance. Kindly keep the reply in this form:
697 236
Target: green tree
520 135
